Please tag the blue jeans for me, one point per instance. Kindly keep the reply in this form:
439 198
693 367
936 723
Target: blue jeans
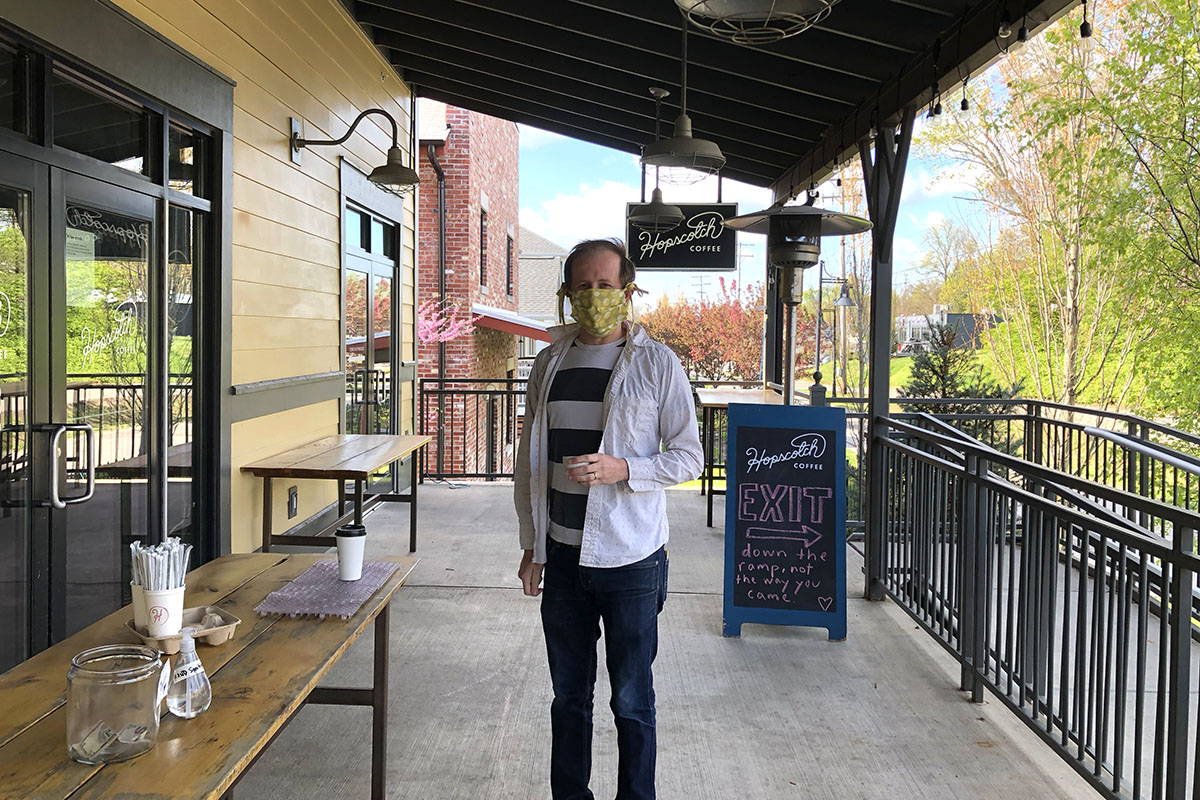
575 602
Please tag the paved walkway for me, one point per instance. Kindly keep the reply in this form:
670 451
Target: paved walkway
777 713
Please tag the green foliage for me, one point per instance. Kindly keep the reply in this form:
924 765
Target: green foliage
1089 244
950 371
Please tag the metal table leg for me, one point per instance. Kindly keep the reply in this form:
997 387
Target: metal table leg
412 507
358 502
708 459
266 515
379 703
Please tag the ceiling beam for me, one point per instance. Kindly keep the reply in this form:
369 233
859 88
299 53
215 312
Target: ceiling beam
729 76
610 26
419 52
575 126
641 129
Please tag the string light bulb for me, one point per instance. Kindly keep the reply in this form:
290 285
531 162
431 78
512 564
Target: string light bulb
1085 27
1023 31
1005 29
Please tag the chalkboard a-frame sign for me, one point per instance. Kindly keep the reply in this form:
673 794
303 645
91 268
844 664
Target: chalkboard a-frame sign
785 518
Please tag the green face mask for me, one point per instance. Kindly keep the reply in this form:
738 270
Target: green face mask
599 311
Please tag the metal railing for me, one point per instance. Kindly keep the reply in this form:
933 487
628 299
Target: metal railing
1050 592
114 405
475 425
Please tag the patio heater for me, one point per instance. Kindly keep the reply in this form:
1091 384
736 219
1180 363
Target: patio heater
793 245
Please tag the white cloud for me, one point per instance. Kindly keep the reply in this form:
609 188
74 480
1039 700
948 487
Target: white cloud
930 220
598 210
906 253
531 138
594 211
958 179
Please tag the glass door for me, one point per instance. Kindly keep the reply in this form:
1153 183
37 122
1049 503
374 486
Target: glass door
19 188
371 325
99 389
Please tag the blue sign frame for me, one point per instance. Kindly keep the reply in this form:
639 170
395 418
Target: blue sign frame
802 420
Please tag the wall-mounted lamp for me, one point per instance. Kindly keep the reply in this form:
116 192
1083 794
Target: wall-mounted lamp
394 176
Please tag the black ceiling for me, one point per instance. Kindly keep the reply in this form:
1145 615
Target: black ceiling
780 113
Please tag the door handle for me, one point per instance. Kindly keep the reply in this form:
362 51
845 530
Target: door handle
56 431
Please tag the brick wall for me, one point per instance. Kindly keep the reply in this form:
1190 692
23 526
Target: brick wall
479 159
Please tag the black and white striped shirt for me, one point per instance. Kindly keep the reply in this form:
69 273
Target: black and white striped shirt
575 421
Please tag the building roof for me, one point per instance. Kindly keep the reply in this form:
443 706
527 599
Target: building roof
540 274
780 112
501 319
534 244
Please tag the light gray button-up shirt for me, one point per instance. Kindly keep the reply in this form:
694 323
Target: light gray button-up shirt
649 420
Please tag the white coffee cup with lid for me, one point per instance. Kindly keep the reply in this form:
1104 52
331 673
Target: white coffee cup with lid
351 541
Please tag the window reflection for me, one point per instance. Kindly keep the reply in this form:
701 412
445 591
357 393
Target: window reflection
92 122
14 94
187 161
186 229
14 459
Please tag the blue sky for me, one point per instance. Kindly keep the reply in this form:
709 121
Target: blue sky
571 190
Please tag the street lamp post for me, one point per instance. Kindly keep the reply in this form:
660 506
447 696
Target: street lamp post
817 390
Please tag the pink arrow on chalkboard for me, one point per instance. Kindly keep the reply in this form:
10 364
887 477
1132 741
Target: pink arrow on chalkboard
806 535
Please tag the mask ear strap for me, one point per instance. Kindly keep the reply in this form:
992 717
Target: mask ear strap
630 290
562 294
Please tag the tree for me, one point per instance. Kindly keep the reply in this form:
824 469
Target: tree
950 369
1151 98
721 339
439 321
947 246
1046 170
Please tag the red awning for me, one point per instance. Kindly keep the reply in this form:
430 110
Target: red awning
509 321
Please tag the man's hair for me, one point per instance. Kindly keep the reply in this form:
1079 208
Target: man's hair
591 247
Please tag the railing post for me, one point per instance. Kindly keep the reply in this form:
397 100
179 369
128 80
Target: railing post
1180 668
972 617
877 492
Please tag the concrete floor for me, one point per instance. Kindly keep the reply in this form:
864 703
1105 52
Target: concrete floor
780 712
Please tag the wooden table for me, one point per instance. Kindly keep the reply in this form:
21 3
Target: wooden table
260 679
347 457
712 401
179 465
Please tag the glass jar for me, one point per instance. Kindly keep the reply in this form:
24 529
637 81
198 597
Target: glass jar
113 696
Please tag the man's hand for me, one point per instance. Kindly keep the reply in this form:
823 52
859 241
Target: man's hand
530 575
597 469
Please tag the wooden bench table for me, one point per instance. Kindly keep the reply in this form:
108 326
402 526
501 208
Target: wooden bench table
712 401
260 678
347 457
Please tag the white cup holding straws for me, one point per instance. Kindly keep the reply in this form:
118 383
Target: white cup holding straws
138 594
164 611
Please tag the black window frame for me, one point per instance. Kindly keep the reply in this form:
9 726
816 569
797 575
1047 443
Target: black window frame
508 266
483 246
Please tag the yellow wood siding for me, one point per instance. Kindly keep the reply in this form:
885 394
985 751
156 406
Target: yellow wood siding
305 59
261 437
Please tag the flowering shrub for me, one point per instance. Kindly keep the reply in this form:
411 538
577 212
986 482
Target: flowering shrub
441 321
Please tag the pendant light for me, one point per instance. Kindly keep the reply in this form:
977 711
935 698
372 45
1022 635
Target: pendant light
683 159
655 216
755 22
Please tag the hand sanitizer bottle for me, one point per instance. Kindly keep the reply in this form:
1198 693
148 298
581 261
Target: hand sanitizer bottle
190 691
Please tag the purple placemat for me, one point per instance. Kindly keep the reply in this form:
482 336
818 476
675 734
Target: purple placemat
318 592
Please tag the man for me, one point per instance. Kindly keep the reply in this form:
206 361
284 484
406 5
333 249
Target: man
609 424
